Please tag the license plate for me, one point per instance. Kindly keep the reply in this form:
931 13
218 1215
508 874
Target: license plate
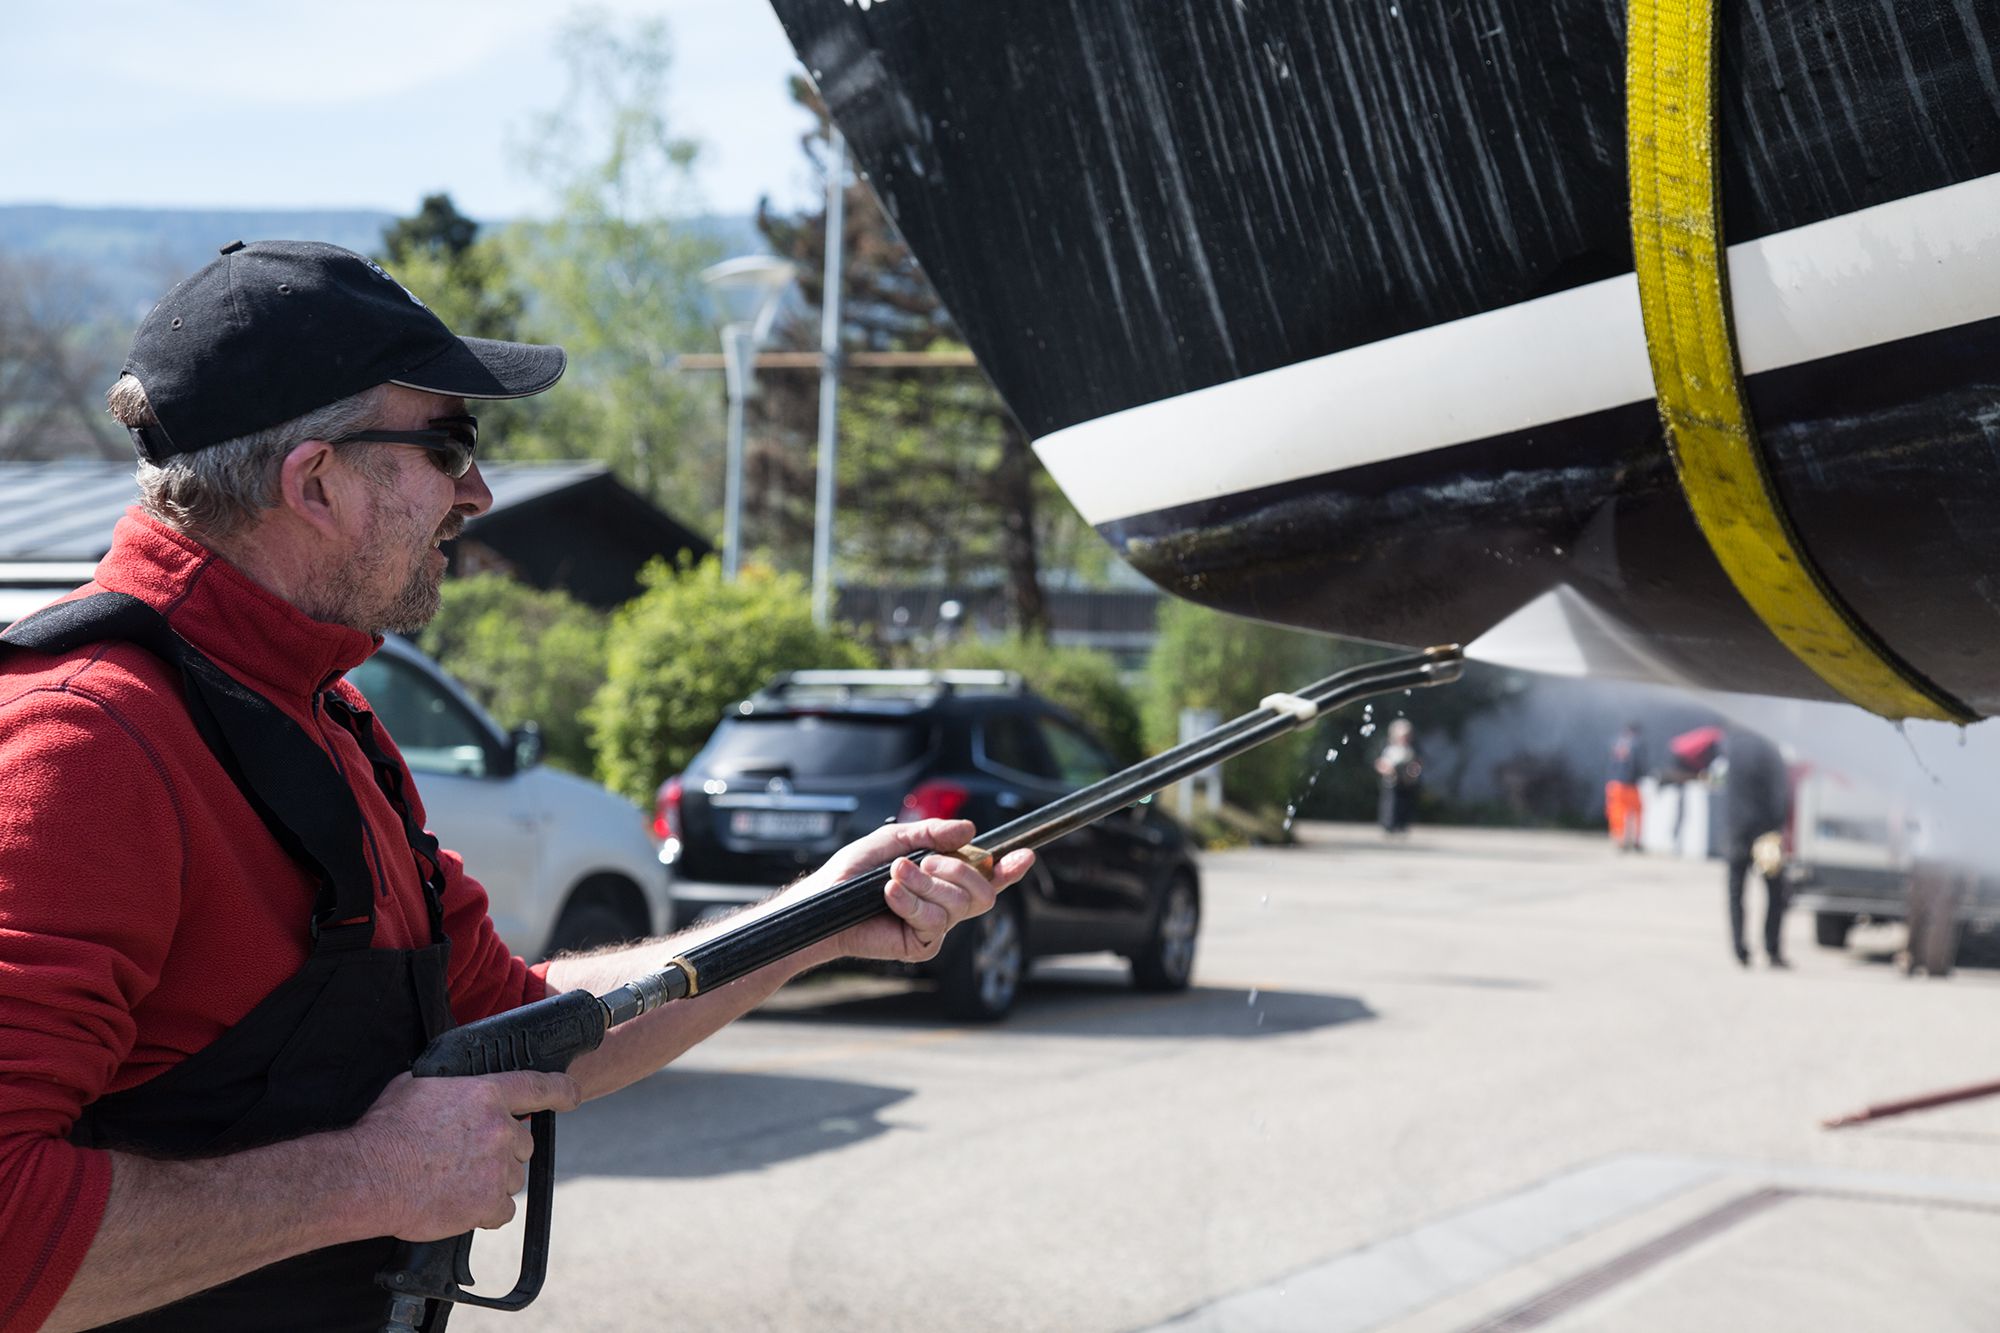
780 825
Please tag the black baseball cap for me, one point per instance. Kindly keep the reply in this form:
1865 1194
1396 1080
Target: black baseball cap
274 329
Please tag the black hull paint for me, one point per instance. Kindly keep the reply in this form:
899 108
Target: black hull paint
1899 446
1124 202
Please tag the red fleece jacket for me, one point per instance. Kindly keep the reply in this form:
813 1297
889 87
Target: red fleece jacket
144 907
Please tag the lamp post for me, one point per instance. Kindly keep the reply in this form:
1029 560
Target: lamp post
746 292
829 378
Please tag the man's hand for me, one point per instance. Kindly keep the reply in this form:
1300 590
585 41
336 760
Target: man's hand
925 897
451 1152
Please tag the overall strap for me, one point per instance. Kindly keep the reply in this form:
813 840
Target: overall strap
389 777
287 778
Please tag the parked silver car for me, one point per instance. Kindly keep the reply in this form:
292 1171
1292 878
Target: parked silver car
566 863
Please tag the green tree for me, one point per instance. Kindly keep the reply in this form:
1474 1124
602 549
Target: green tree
614 275
527 655
687 648
438 253
466 277
1205 659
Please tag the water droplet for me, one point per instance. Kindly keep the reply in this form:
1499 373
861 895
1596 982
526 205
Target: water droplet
1961 737
1263 900
1367 728
1253 997
1334 753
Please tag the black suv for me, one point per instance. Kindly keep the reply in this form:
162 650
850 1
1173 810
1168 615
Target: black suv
817 758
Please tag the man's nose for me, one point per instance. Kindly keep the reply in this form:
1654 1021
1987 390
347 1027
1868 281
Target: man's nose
471 496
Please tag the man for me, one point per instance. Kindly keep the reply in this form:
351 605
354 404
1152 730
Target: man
1623 809
1756 800
223 930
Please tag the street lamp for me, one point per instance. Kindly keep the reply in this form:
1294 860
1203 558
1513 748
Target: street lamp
746 292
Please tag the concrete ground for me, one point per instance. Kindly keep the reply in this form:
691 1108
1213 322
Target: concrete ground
1474 1080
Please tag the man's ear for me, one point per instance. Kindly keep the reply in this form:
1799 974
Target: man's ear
312 487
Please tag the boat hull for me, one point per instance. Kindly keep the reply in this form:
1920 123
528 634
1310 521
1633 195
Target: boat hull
1323 313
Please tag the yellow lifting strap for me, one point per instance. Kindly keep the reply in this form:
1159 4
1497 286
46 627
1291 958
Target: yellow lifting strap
1684 295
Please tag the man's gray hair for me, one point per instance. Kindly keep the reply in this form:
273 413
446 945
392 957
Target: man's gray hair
212 493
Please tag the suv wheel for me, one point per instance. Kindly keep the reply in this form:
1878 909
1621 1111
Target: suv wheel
979 976
1166 962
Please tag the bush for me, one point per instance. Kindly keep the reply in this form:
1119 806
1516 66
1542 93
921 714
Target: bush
685 649
527 655
1204 659
1080 679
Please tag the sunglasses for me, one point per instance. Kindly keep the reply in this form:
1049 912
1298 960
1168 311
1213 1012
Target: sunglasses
450 441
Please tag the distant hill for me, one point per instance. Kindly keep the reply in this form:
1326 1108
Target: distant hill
101 269
128 257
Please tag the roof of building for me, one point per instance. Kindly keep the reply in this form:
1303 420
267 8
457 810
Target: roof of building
568 524
62 511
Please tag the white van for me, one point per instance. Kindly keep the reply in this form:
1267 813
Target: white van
1852 851
1850 848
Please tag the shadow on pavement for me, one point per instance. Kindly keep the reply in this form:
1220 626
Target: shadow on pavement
1084 1002
688 1124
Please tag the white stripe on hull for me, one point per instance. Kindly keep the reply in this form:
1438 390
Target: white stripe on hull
1898 270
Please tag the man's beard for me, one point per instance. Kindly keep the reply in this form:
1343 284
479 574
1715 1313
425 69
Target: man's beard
414 604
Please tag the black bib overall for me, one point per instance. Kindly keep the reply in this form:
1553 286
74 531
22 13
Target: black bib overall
314 1054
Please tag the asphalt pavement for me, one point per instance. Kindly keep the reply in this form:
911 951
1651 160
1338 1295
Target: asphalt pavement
1470 1080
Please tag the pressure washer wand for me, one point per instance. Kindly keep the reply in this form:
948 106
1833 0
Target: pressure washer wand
762 936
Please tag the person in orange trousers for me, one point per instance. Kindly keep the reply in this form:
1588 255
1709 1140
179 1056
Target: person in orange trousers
1622 807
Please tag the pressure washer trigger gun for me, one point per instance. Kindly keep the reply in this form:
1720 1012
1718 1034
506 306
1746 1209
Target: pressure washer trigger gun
430 1276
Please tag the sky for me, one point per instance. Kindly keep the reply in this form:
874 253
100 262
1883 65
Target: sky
359 103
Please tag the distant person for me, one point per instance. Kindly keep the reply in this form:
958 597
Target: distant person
1689 756
1690 753
1400 772
1623 809
1756 799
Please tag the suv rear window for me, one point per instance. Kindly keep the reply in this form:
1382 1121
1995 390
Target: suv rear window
810 746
